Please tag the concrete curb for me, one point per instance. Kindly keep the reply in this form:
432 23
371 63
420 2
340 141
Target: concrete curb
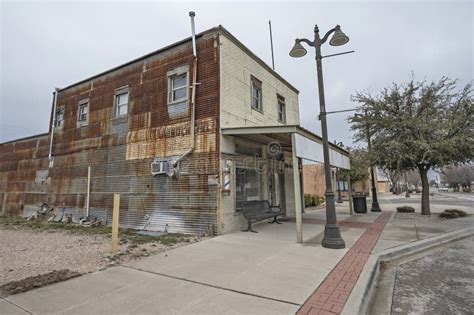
360 298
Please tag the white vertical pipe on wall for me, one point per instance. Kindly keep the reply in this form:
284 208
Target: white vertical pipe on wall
88 189
297 187
55 102
193 95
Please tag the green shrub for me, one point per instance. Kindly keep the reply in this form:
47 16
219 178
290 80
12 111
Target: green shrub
460 213
318 200
308 201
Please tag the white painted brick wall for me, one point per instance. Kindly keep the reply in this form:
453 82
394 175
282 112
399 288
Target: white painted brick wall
236 67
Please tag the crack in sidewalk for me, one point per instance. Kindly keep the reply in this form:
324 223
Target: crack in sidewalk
17 306
213 286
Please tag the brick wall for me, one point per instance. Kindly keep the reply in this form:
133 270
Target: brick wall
314 180
236 69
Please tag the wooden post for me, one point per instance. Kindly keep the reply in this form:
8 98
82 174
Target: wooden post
115 223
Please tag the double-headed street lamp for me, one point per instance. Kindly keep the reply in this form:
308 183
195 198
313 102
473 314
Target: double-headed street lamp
332 234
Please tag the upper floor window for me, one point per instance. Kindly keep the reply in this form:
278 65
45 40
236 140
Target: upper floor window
121 102
281 109
256 93
178 87
83 111
59 122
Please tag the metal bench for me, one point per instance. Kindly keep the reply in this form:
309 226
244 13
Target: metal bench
255 211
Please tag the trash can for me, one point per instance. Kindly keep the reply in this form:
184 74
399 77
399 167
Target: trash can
360 204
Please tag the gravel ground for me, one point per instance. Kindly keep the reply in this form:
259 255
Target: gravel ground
418 217
26 253
29 253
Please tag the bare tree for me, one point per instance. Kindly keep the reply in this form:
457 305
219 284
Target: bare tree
458 175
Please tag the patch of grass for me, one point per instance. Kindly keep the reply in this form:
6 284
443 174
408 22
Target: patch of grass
131 236
15 222
125 235
172 239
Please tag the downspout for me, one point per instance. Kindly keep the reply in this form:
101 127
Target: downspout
55 102
193 99
88 190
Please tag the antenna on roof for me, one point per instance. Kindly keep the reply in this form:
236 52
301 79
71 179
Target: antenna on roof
271 43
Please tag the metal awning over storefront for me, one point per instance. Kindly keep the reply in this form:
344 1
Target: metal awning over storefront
307 144
303 144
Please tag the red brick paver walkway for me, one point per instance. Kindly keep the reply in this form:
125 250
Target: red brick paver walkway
331 296
351 224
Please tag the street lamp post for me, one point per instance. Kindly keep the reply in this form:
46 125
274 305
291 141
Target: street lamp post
375 202
332 234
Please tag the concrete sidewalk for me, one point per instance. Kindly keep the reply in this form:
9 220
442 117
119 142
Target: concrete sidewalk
237 273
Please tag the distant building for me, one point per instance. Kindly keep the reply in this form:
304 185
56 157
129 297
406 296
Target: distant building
315 185
383 182
133 125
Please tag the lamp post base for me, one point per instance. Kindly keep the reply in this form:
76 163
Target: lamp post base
332 237
375 201
375 207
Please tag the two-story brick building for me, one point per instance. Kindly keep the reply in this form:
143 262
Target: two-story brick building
182 139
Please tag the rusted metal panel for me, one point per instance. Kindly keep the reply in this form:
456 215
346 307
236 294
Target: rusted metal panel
120 152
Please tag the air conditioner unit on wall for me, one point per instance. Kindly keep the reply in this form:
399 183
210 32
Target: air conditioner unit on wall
159 168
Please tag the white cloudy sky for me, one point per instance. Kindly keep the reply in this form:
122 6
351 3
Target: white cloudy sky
48 44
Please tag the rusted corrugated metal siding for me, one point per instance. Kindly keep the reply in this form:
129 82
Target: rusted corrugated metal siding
19 163
120 153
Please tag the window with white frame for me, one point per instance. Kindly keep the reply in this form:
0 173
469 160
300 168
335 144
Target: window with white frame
281 109
178 92
121 103
83 111
59 122
256 93
178 87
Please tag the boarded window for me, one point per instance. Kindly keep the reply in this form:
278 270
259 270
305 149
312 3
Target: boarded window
41 176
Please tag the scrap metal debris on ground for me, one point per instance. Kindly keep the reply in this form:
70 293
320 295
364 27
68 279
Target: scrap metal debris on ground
40 215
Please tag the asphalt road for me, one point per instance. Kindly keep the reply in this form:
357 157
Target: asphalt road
440 282
451 199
